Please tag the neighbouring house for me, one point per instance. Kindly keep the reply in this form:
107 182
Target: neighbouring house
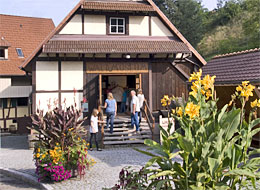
230 70
19 36
101 44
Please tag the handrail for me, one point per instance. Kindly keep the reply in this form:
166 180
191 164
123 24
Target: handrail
148 114
101 118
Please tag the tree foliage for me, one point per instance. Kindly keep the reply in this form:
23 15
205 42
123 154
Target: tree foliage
232 26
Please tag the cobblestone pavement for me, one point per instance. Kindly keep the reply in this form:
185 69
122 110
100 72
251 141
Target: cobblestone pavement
9 183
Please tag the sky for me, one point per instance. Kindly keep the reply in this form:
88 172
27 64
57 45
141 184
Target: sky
55 9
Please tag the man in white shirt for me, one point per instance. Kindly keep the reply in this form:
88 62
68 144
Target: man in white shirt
135 108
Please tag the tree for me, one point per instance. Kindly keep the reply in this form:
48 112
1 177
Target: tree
186 15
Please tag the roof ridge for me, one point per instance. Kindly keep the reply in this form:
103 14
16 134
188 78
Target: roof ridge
236 53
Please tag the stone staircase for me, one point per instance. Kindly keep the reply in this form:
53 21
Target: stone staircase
123 133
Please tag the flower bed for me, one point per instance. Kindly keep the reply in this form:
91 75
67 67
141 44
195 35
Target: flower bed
213 144
60 152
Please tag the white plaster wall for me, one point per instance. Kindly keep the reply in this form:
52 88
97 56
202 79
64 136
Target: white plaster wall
47 75
95 24
72 75
71 98
138 25
11 114
45 99
1 113
1 123
158 28
74 26
9 91
22 111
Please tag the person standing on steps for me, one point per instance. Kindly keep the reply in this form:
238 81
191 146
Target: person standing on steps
141 99
134 111
111 110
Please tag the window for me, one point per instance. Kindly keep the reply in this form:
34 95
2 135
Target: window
22 101
2 53
117 25
19 52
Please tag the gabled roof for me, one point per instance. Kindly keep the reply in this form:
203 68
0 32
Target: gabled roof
149 4
235 67
21 32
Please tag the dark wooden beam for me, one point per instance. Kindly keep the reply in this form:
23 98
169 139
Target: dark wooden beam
59 80
179 69
150 85
150 25
257 92
94 58
83 21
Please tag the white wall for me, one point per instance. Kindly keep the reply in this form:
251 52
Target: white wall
158 28
74 26
139 25
47 75
45 99
71 99
95 24
71 75
8 91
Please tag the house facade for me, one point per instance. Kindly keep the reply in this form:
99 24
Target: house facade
19 36
105 43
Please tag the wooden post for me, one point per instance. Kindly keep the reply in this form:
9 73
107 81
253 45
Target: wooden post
100 89
150 84
140 81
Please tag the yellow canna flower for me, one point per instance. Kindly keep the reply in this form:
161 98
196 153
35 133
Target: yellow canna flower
57 144
195 76
43 156
179 111
208 94
38 155
173 111
245 83
208 82
192 110
258 103
38 149
239 88
193 93
254 103
165 100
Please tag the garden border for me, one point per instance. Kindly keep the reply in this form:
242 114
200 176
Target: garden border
25 177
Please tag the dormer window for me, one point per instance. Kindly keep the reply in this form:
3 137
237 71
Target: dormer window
19 52
117 25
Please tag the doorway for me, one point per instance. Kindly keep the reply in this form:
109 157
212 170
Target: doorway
117 84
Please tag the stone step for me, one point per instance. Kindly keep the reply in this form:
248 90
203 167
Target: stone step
123 142
117 138
126 133
116 129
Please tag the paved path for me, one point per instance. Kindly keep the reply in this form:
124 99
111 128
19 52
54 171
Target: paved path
14 154
9 183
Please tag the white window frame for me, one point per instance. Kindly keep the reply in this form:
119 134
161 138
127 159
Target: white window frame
21 51
110 25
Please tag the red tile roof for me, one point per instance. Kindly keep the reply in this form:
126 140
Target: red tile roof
21 32
235 67
118 6
113 44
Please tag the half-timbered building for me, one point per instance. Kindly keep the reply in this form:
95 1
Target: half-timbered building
128 42
19 36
